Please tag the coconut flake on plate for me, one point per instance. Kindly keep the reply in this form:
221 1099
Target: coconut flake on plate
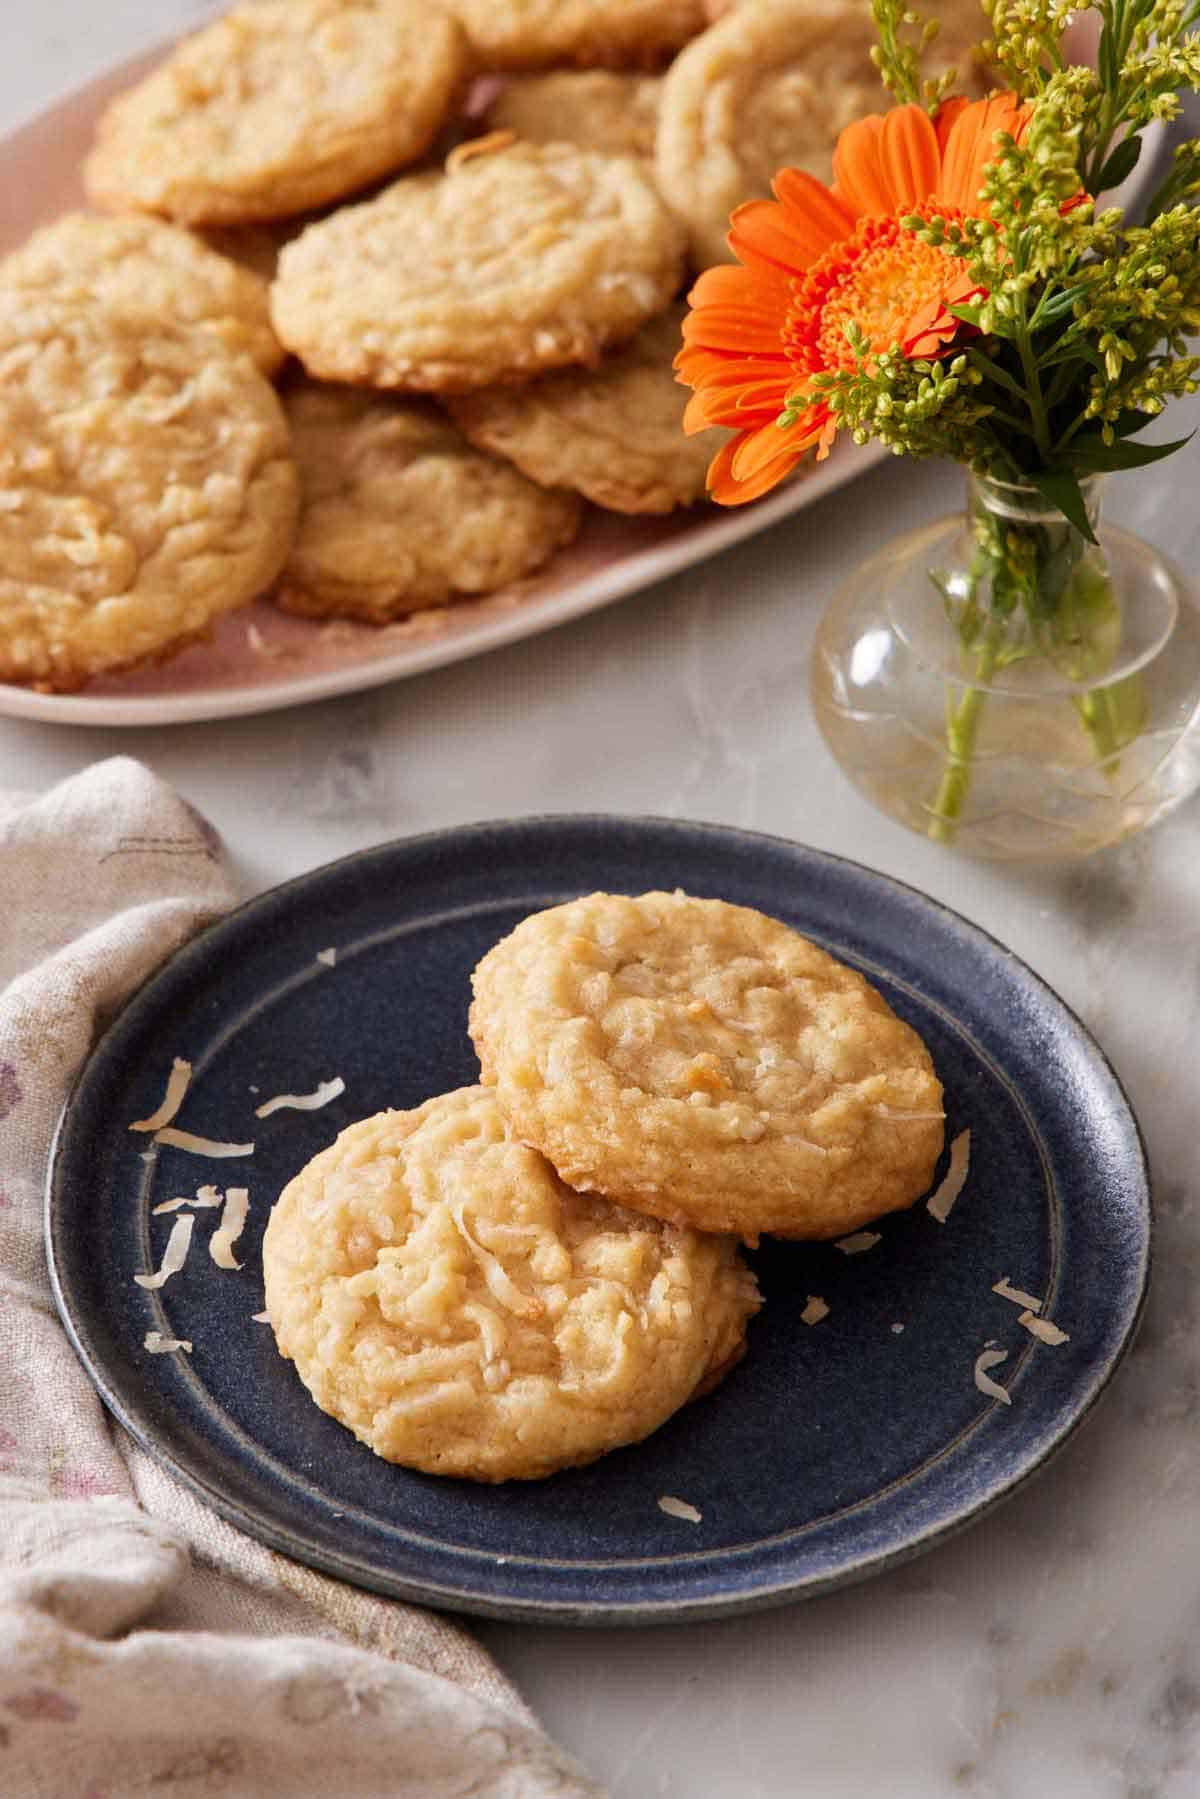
991 1358
201 1146
941 1201
175 1254
157 1344
858 1243
679 1508
203 1196
1026 1301
172 1099
233 1218
1044 1329
327 956
303 1102
815 1310
260 1317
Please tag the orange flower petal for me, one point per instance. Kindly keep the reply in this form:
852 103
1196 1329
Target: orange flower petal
731 285
948 111
971 146
778 235
909 148
858 176
729 489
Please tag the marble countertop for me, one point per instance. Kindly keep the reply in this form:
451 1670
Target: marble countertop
1052 1650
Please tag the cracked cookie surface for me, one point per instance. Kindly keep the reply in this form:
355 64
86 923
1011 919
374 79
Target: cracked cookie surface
140 264
449 1300
146 487
398 511
278 106
704 1063
523 259
614 433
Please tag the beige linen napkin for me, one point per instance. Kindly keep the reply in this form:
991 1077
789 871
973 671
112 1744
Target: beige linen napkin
145 1645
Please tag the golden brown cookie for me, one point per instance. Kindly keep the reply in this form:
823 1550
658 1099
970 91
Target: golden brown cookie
705 1064
770 86
614 432
600 109
447 1298
141 264
540 34
525 259
399 512
279 106
146 487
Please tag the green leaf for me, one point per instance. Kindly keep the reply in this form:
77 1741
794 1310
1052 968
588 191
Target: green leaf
1092 456
986 366
1055 308
970 315
1120 164
1061 487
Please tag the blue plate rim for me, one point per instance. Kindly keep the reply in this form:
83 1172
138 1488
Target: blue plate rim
589 1612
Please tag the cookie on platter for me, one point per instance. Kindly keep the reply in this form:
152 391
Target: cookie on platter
146 487
615 432
144 265
519 258
279 106
399 512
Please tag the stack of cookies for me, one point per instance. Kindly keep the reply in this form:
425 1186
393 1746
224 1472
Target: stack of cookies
519 1276
476 351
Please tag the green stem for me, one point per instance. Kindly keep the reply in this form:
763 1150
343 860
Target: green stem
962 729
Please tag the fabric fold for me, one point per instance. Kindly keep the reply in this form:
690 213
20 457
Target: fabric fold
145 1644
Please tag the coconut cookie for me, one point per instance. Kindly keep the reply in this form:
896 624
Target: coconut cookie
614 432
518 260
703 1063
279 106
141 264
771 86
538 34
447 1298
399 512
146 487
601 109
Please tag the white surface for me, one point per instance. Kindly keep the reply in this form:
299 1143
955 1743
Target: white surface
1053 1652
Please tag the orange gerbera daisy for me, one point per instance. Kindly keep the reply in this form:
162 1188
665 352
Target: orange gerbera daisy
818 258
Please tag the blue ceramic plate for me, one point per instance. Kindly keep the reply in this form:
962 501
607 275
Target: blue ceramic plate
832 1450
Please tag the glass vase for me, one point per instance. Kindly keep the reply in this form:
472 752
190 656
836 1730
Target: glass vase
1003 684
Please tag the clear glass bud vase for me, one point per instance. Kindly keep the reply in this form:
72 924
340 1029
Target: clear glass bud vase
1002 684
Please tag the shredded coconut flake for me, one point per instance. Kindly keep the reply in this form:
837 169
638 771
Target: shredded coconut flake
303 1102
201 1146
175 1255
220 1244
157 1344
1025 1300
1044 1329
499 1281
860 1242
203 1196
815 1310
260 1317
327 956
941 1201
172 1099
679 1508
991 1358
897 1330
